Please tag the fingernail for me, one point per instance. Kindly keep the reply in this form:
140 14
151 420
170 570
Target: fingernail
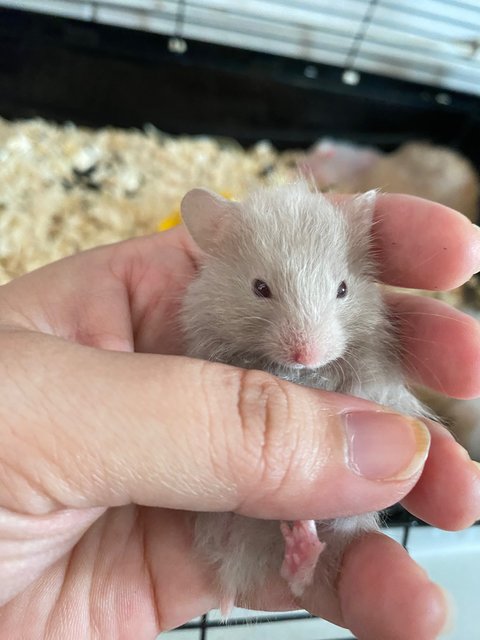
385 446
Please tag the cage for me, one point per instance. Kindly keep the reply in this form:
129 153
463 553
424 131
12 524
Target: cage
374 72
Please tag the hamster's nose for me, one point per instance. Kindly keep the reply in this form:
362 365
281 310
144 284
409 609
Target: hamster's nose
305 355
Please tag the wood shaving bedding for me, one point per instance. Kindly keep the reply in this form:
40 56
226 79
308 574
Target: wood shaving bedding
66 188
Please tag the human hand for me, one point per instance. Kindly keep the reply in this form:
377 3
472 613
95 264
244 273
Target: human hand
103 449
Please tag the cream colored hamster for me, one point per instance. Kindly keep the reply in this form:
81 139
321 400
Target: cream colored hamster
287 285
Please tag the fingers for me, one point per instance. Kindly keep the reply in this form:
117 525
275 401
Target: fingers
380 593
406 603
103 428
118 297
448 492
79 298
424 245
440 345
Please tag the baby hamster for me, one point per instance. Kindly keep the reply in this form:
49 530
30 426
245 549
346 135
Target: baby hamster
287 285
430 171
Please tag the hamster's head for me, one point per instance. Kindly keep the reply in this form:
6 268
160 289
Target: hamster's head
287 276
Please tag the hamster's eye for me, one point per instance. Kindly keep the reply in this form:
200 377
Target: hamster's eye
261 289
342 289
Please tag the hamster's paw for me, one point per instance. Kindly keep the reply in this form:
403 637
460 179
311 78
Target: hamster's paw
302 549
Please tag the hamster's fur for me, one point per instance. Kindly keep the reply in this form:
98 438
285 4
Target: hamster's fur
305 248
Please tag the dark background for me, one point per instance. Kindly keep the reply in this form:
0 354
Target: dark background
99 75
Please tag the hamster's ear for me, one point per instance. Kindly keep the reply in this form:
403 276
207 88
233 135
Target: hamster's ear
363 207
205 214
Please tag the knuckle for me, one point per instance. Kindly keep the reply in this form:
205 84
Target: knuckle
265 412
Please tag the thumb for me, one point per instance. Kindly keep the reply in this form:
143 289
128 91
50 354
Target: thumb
84 428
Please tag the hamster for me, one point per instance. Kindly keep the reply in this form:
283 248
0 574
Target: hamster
421 169
334 162
287 285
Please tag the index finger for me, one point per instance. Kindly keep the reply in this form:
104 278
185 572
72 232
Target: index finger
424 245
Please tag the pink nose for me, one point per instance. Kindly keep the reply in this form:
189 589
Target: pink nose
304 355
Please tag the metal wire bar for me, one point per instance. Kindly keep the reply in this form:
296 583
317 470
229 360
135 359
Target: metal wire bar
203 627
360 35
179 18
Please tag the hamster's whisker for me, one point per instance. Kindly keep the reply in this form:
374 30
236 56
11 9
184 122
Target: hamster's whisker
424 340
338 367
431 315
408 352
347 361
266 320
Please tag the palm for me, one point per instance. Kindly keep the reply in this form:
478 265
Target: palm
122 297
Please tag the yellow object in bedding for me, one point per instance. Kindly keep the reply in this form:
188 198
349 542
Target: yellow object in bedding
170 221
